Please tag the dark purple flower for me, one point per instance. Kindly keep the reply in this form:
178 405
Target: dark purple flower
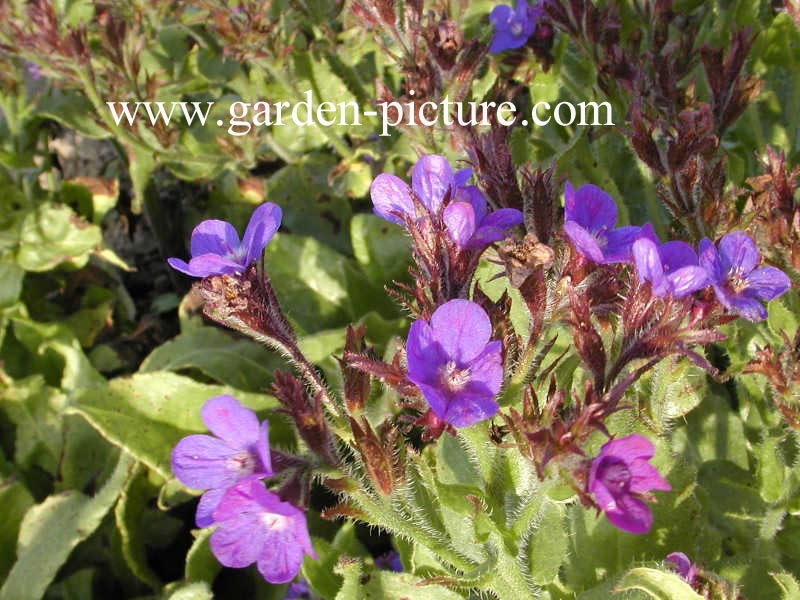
389 561
466 216
513 27
255 526
453 363
239 449
298 590
619 476
34 70
216 249
671 268
681 564
589 219
739 285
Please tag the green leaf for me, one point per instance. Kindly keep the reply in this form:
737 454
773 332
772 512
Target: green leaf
547 545
657 584
381 248
51 530
54 234
75 111
385 585
237 362
201 564
128 514
15 500
11 276
198 590
148 413
790 589
320 572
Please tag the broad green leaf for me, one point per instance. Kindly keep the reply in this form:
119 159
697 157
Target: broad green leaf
11 276
51 530
148 413
129 514
74 111
381 248
54 234
15 500
201 564
229 360
197 590
547 545
320 573
790 589
659 585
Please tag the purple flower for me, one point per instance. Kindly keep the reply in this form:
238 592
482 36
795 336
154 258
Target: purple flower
681 564
671 267
453 363
466 216
589 219
239 449
298 590
34 70
470 225
619 476
389 561
514 27
255 526
216 249
739 285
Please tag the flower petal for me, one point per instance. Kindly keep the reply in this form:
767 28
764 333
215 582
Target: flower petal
435 399
746 306
203 462
738 252
206 265
459 219
686 280
710 260
204 517
262 450
645 477
430 180
630 514
590 207
501 14
648 265
214 237
767 283
486 370
471 194
262 226
619 242
424 355
462 328
466 409
629 447
226 418
677 254
391 198
280 558
583 241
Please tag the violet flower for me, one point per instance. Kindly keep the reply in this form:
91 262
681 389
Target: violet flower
618 478
513 27
466 216
239 449
216 249
298 590
255 526
453 363
681 564
671 268
470 225
389 561
589 219
739 285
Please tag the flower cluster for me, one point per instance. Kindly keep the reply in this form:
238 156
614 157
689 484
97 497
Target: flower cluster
513 26
253 525
673 267
437 192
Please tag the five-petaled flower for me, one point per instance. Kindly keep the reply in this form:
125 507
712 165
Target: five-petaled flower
466 216
589 219
255 526
619 476
513 27
681 564
216 249
239 449
671 268
739 285
453 363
